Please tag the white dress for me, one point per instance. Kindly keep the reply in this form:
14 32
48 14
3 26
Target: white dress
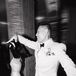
15 67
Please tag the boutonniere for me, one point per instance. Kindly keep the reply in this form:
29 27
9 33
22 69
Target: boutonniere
49 52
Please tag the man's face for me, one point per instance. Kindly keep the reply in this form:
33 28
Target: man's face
42 33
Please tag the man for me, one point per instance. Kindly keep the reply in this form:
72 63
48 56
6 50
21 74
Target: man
48 53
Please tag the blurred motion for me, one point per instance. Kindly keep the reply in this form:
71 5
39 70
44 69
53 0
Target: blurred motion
60 14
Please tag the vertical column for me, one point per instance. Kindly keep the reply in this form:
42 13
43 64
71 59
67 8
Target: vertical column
15 17
20 16
15 26
28 12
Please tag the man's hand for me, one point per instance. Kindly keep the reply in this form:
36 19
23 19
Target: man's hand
15 37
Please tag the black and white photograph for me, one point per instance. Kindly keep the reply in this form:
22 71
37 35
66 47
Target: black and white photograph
37 38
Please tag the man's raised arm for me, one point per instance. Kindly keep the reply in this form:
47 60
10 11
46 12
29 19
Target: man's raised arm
27 42
22 40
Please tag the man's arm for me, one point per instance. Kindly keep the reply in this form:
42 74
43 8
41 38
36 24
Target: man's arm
23 40
66 62
27 42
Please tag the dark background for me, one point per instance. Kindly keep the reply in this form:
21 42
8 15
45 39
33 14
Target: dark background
71 38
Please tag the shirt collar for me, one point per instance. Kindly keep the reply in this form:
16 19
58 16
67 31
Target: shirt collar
49 41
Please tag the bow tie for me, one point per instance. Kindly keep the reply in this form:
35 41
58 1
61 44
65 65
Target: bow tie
42 45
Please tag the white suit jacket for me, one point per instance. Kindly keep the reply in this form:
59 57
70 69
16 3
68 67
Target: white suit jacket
49 57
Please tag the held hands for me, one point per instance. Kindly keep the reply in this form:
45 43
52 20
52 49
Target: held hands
15 37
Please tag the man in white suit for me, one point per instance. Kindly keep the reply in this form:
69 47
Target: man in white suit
48 53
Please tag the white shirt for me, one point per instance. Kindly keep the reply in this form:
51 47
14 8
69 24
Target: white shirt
47 64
